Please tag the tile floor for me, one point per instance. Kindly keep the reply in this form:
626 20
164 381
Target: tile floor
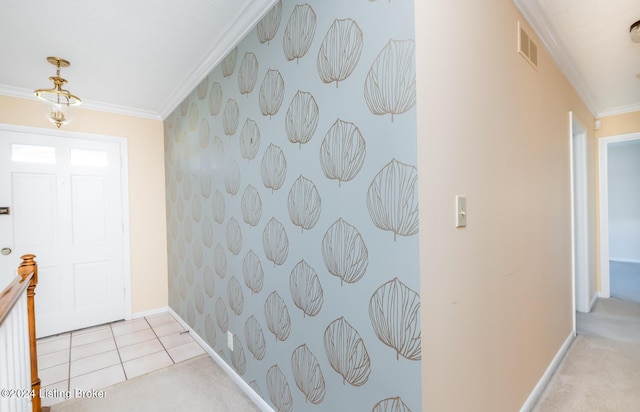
103 355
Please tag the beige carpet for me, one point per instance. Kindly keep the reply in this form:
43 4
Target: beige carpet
195 385
601 371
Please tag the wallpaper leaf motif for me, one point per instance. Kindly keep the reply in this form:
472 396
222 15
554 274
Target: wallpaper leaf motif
304 203
196 209
275 242
204 134
210 331
344 253
256 388
251 206
249 139
232 177
306 289
186 188
277 316
188 231
253 272
218 207
234 236
392 199
188 273
220 261
230 117
346 352
206 184
274 168
248 73
255 338
197 255
235 296
238 359
279 391
218 147
222 316
394 310
301 119
207 232
271 93
268 26
194 116
209 282
342 152
340 51
299 32
228 64
215 99
184 107
198 298
390 86
203 88
391 405
307 374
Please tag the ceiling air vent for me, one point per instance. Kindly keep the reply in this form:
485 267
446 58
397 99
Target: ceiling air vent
526 47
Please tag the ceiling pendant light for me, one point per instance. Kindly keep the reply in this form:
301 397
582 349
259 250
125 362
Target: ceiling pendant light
59 101
634 32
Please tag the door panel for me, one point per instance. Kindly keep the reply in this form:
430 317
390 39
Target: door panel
65 196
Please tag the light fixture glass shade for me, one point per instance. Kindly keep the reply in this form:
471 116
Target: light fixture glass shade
634 32
59 114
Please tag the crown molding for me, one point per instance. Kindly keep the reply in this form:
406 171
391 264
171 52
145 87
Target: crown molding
537 17
245 21
620 110
86 104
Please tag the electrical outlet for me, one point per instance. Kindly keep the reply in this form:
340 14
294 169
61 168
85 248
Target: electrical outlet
230 340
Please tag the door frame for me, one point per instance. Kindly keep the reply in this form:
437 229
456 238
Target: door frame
603 204
579 216
124 185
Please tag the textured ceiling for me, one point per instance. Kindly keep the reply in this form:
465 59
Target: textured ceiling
143 57
140 57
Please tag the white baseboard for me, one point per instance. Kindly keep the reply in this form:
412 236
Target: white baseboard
244 386
544 380
593 301
151 312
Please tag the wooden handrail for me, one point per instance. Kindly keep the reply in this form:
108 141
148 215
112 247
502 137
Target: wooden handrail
27 279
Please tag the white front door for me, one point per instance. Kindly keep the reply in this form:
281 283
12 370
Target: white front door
65 200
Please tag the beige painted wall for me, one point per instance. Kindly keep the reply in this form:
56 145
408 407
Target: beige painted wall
145 142
619 124
496 296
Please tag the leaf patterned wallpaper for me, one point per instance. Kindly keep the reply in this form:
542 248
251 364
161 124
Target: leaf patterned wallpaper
293 207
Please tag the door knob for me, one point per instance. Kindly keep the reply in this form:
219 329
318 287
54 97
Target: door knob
5 251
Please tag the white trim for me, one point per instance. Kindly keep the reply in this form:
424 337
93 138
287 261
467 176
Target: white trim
620 110
238 27
86 104
603 203
623 260
593 300
544 380
244 386
152 312
124 176
537 17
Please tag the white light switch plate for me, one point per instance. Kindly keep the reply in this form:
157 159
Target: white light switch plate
461 211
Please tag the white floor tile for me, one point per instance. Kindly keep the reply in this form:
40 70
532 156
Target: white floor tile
160 319
186 351
168 329
129 326
53 359
136 337
47 345
138 350
52 394
98 379
94 363
54 374
146 364
93 348
175 339
84 338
